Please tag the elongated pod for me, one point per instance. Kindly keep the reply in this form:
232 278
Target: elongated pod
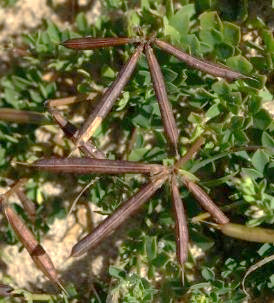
181 222
87 148
205 201
122 213
207 67
169 122
36 251
50 103
89 165
92 43
28 205
22 116
108 99
242 232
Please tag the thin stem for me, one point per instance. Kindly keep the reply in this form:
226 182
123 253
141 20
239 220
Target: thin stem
193 149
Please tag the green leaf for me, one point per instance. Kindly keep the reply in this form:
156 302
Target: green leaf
262 119
169 74
151 247
181 20
137 154
208 274
145 4
240 64
11 96
123 101
252 173
117 272
221 88
224 50
259 160
108 72
211 37
53 32
268 40
232 34
169 8
210 20
160 260
267 140
213 111
170 31
82 23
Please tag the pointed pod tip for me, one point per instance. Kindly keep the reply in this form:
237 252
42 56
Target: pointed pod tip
14 163
65 43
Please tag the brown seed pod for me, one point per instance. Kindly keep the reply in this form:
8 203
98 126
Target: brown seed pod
207 67
89 165
22 116
36 251
92 43
181 222
168 119
108 99
122 213
28 205
50 103
205 201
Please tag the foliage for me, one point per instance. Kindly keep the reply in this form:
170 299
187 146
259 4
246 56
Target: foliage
229 115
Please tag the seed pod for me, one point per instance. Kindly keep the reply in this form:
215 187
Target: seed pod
22 116
181 222
205 201
108 99
87 148
92 43
207 67
242 232
122 213
65 101
36 251
170 127
89 165
28 205
5 290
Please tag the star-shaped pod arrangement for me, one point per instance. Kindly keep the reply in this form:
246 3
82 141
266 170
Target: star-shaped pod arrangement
96 162
103 107
159 175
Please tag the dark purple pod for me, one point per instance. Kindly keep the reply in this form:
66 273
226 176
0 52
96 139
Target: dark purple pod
205 201
28 205
89 165
207 67
36 251
92 43
104 106
121 214
182 237
168 119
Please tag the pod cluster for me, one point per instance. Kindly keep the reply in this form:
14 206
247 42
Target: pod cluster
95 161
